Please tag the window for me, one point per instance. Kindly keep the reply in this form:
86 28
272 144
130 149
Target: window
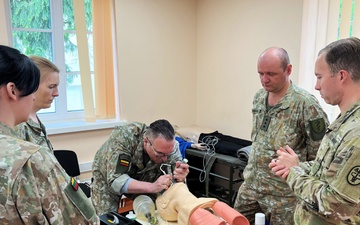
46 28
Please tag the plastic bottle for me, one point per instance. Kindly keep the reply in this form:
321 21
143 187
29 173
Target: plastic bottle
144 208
259 219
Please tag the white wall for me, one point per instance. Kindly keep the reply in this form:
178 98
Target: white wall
231 36
157 60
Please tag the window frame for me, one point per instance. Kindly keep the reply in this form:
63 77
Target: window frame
57 38
61 121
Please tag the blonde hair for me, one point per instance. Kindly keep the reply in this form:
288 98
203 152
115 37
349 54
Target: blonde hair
44 65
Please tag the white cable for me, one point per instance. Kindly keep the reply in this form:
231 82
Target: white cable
210 142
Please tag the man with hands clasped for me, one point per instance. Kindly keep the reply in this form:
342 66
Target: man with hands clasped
283 114
328 188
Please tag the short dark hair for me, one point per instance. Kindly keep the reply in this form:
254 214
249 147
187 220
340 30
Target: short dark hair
18 69
161 128
344 54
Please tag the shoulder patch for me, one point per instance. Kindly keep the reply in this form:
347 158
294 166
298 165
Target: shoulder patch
317 129
353 178
124 163
74 183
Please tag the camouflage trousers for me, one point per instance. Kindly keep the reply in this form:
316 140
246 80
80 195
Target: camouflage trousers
277 209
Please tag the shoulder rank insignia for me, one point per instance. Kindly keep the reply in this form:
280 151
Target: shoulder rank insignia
317 129
123 164
74 184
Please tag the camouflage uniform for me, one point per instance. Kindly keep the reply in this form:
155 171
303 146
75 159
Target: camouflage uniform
34 189
298 121
123 156
328 188
34 132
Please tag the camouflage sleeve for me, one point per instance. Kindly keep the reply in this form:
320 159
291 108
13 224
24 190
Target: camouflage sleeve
116 178
28 133
45 188
306 166
119 159
336 193
316 122
21 130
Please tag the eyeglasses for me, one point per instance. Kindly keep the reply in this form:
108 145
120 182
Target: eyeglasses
158 154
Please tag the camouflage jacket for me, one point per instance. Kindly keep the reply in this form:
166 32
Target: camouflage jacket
123 156
34 189
34 132
329 186
298 121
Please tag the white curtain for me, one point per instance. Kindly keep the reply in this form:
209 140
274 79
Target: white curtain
4 30
103 59
322 24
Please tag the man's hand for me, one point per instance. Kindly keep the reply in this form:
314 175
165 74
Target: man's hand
279 170
181 171
287 158
162 183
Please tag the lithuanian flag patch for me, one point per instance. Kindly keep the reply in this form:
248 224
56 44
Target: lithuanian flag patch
74 184
123 164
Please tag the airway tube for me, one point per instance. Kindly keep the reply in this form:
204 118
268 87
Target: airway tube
229 214
203 217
